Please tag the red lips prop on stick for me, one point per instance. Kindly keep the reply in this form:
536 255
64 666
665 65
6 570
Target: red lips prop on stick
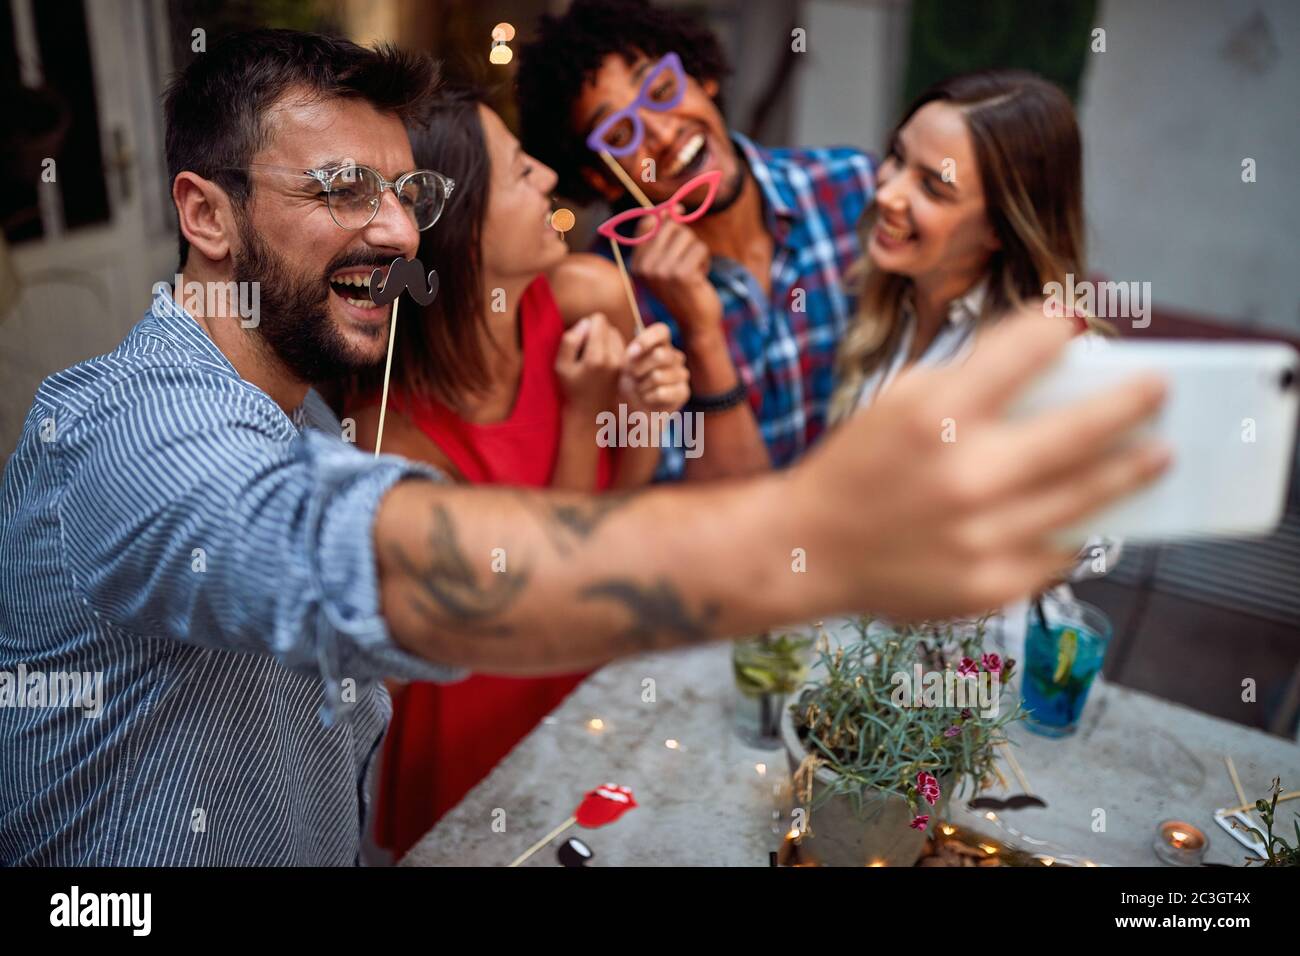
599 807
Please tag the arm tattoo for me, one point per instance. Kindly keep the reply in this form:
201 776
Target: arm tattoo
657 613
447 589
573 521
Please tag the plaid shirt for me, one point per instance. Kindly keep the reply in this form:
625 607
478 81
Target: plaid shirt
783 344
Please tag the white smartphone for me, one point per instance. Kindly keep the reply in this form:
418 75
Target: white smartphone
1229 418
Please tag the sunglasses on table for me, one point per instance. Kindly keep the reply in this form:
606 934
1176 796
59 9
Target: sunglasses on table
664 210
621 132
354 192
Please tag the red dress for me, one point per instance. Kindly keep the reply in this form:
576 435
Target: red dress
444 738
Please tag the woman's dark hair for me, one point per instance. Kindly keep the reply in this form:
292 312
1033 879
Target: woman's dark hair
216 108
569 50
438 350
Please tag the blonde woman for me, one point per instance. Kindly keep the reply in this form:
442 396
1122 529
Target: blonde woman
979 205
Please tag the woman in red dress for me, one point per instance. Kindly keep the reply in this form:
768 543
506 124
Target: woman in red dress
500 380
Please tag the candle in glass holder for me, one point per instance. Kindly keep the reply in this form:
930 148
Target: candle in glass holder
1180 843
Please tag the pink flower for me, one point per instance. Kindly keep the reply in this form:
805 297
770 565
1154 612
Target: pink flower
967 667
928 787
952 731
920 822
992 663
966 714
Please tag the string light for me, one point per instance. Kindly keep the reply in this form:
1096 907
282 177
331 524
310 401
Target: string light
595 725
501 53
562 220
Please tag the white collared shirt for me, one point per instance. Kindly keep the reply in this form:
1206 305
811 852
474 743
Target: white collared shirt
952 341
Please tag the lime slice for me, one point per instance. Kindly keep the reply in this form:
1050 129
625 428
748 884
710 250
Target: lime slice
758 678
1066 647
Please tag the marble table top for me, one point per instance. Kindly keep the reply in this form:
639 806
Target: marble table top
662 724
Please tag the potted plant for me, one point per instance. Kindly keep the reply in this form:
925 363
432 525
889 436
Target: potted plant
1277 851
890 725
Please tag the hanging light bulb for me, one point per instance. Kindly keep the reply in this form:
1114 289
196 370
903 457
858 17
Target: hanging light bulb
501 54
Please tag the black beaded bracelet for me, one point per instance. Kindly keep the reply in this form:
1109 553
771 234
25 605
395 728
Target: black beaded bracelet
709 404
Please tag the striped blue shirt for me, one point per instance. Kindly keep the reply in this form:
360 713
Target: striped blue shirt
167 530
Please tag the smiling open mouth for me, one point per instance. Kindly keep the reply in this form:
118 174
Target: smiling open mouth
894 233
689 158
353 288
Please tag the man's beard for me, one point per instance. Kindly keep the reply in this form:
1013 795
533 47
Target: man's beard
728 193
294 323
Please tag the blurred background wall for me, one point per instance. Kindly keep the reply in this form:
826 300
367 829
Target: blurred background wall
1185 92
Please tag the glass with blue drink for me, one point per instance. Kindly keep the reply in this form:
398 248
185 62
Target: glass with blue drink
1065 645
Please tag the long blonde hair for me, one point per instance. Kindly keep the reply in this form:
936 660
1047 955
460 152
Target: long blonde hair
1027 147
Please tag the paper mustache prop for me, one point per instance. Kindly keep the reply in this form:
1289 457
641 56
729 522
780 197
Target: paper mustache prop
1014 802
403 275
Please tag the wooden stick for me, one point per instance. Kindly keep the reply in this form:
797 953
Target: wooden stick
627 286
1250 806
1015 767
1236 781
388 368
626 180
1001 779
545 840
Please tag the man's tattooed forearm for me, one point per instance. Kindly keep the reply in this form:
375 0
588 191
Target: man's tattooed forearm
659 616
569 522
447 589
581 519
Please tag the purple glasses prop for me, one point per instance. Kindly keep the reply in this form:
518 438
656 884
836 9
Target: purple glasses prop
666 209
621 132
